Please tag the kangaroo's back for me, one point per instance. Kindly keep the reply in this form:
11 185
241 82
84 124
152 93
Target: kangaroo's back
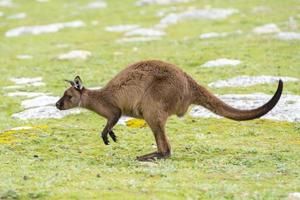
152 79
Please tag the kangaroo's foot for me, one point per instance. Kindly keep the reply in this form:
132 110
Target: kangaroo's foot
153 156
105 138
113 136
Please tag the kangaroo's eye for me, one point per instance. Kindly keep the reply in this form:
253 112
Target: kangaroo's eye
69 97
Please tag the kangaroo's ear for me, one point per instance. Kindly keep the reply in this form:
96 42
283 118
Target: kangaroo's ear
78 83
71 82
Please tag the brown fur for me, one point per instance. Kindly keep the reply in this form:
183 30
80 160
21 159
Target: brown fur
152 90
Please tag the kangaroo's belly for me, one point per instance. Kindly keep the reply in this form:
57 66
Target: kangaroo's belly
129 101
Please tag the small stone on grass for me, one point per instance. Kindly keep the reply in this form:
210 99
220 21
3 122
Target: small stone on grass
75 54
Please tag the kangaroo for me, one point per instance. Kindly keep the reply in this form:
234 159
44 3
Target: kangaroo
152 90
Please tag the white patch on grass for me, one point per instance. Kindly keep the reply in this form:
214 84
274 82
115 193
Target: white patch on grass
142 34
288 36
17 16
21 128
44 112
121 28
137 39
266 29
261 9
159 2
147 32
37 84
212 35
1 14
219 35
42 1
245 81
75 54
25 94
123 120
97 5
42 107
160 13
294 196
200 136
211 14
24 57
40 101
163 12
41 29
221 62
6 3
148 164
287 109
24 80
13 87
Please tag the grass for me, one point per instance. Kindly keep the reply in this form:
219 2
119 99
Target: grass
212 158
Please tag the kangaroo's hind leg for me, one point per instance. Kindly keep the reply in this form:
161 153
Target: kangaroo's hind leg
156 121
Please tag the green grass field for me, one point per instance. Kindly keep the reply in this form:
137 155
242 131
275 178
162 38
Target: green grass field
212 158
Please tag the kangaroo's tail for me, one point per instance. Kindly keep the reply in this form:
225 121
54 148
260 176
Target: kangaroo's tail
203 97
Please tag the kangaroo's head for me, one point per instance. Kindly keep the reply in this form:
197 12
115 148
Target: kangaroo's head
72 96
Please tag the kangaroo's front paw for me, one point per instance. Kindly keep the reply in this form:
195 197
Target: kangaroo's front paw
105 139
113 136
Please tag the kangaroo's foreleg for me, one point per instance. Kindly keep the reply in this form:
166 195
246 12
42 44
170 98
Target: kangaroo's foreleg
113 136
111 122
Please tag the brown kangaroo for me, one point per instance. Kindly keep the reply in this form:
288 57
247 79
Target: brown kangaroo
152 90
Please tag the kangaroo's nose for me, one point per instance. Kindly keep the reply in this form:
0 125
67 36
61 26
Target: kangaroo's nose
58 105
